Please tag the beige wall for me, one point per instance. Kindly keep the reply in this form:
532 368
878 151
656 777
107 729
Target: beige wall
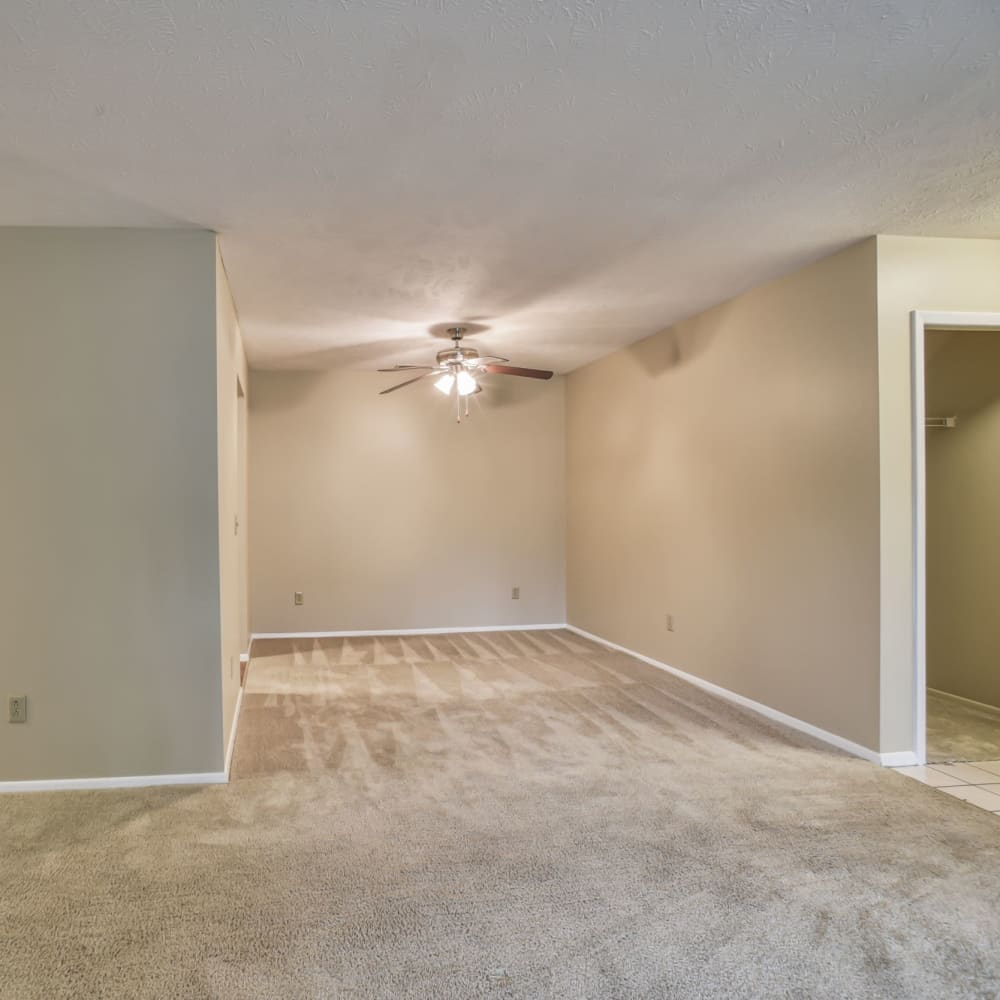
231 373
109 581
387 514
924 274
963 528
725 472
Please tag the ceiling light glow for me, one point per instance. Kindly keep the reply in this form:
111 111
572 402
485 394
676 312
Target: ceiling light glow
466 383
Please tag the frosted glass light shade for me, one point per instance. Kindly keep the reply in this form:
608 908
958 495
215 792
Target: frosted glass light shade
466 383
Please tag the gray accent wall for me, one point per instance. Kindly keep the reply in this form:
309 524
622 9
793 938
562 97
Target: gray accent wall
109 520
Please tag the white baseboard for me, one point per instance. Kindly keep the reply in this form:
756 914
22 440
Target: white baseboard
968 701
403 631
232 732
897 759
755 706
127 781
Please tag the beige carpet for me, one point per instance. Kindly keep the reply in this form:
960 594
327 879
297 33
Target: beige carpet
501 816
961 730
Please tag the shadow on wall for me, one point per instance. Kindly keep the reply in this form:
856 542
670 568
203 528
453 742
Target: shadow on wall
286 390
962 371
678 345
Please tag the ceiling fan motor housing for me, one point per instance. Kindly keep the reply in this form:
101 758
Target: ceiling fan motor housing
457 355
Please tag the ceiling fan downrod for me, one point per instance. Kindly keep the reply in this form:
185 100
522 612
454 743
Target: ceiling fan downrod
457 332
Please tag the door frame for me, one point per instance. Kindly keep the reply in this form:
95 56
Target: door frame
242 515
920 322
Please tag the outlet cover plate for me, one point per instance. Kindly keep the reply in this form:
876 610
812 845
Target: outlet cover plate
17 708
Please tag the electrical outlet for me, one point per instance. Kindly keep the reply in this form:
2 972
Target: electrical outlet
670 623
298 597
515 593
17 708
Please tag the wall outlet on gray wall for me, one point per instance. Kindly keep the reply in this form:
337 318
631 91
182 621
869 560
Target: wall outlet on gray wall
298 597
515 593
17 708
670 623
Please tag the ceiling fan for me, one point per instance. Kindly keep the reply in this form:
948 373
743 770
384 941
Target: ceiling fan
458 369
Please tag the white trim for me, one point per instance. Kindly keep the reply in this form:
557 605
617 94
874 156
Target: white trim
920 321
232 732
901 758
404 631
128 781
968 701
244 657
919 596
938 320
755 706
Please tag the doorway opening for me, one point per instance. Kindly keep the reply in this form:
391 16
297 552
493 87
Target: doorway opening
956 435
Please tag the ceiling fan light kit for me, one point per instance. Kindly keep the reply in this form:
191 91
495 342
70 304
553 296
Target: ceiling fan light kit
444 383
465 383
459 368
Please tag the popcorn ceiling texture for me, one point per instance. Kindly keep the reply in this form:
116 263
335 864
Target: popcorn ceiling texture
515 816
572 175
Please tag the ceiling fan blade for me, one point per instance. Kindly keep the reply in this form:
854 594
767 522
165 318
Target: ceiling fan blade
408 382
408 368
525 372
490 358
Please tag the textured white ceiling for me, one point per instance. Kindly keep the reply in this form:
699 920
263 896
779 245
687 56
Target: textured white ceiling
571 175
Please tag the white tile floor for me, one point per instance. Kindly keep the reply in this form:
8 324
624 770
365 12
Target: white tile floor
977 783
